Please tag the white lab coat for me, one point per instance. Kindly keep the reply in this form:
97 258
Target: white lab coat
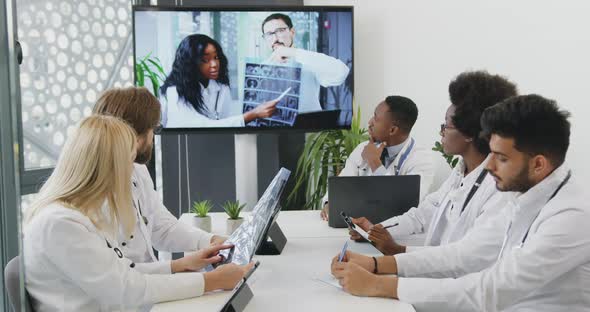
420 161
549 271
434 215
69 267
177 113
318 69
163 231
477 250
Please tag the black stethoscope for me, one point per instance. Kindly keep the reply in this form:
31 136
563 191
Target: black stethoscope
138 209
569 174
473 189
117 251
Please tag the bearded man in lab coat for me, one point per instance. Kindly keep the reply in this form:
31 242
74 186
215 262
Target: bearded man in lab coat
156 227
543 263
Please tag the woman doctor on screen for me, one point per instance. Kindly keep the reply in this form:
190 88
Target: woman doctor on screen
196 92
72 259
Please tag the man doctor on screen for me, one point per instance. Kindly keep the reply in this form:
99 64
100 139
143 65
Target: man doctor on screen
318 69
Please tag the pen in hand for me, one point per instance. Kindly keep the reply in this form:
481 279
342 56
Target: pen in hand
343 252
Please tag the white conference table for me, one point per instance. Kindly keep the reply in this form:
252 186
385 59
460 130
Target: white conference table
289 281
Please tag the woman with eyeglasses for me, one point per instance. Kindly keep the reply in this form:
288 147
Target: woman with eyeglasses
448 214
73 260
196 93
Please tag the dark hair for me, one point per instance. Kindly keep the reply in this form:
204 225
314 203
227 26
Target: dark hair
471 93
186 75
137 106
403 110
275 16
536 124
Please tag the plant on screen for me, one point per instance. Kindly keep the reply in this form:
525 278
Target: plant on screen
149 68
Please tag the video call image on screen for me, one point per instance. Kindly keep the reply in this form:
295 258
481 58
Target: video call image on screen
266 82
223 68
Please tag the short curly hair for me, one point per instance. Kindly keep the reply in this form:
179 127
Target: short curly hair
537 125
471 93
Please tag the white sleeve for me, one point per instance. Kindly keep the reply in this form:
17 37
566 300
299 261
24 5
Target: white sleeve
417 219
351 166
381 171
168 233
560 244
180 115
329 71
477 250
83 258
157 267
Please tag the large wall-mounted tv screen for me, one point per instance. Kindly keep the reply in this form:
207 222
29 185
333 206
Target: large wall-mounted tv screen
248 69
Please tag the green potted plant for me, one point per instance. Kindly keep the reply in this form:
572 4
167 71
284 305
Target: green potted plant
149 68
201 219
451 160
233 209
324 154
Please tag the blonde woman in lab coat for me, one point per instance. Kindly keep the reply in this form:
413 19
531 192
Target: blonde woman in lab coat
72 257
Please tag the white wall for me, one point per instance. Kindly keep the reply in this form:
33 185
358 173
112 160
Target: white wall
415 48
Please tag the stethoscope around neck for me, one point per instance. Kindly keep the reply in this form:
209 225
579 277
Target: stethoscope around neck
526 234
117 251
402 159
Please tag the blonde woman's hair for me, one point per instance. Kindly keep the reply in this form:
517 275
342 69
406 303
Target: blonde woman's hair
95 166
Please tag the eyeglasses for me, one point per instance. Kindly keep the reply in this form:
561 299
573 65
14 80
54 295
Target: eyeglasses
158 128
444 126
281 31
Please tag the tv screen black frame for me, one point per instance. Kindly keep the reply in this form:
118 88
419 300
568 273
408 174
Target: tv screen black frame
246 8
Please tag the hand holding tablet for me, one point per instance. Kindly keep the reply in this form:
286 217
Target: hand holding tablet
353 227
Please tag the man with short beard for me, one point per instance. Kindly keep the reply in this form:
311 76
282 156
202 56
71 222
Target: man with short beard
156 227
317 69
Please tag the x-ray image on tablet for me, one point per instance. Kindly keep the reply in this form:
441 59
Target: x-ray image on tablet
248 237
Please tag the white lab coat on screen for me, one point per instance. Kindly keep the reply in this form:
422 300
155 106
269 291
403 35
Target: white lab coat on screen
177 113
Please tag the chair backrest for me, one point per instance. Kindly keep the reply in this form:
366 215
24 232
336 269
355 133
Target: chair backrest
12 284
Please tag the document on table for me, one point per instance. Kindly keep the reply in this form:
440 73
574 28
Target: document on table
329 279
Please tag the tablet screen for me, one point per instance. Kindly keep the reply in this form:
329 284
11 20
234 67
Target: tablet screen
250 234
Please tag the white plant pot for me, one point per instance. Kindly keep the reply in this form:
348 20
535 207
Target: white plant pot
232 225
203 223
